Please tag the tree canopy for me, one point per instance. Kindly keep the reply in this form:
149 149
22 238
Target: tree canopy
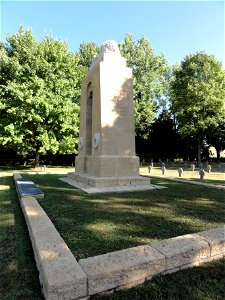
40 87
37 83
150 80
198 96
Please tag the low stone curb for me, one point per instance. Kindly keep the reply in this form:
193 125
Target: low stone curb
60 274
209 185
129 267
64 278
121 268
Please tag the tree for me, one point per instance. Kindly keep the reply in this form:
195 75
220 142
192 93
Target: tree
198 96
37 83
150 80
87 51
164 140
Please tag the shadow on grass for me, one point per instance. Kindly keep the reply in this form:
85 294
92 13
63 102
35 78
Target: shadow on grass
97 224
18 274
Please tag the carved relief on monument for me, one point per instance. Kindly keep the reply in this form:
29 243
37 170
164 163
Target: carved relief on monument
96 140
81 143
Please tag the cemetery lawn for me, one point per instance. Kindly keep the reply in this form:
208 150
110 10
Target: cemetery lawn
18 274
94 224
217 178
101 223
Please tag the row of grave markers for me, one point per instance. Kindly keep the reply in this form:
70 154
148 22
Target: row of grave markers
181 171
220 166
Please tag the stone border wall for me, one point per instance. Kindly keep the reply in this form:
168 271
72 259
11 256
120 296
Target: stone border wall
62 277
60 274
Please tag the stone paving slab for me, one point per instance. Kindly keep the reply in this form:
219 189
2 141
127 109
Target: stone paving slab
93 190
120 268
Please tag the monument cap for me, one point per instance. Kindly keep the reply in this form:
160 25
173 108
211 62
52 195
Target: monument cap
110 46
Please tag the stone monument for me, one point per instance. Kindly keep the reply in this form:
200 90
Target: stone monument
106 156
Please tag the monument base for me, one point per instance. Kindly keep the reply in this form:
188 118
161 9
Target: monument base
93 184
99 182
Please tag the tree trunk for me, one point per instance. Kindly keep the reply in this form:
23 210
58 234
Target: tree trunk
37 157
199 151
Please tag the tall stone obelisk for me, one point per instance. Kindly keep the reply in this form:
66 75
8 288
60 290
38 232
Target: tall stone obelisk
106 156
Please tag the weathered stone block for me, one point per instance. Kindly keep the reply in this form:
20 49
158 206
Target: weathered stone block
60 273
216 239
121 268
182 250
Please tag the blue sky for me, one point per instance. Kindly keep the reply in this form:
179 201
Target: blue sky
176 28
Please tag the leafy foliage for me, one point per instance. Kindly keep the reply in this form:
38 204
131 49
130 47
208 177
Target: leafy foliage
87 51
198 95
150 80
37 83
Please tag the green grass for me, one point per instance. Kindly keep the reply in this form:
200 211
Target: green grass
97 224
210 181
217 178
18 274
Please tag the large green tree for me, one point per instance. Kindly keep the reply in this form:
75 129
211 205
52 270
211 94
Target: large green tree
37 83
151 75
198 96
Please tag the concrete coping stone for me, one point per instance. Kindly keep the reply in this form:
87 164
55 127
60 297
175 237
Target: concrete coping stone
182 250
216 239
127 267
60 273
108 271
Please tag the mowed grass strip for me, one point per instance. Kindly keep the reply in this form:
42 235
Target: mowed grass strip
101 223
18 273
